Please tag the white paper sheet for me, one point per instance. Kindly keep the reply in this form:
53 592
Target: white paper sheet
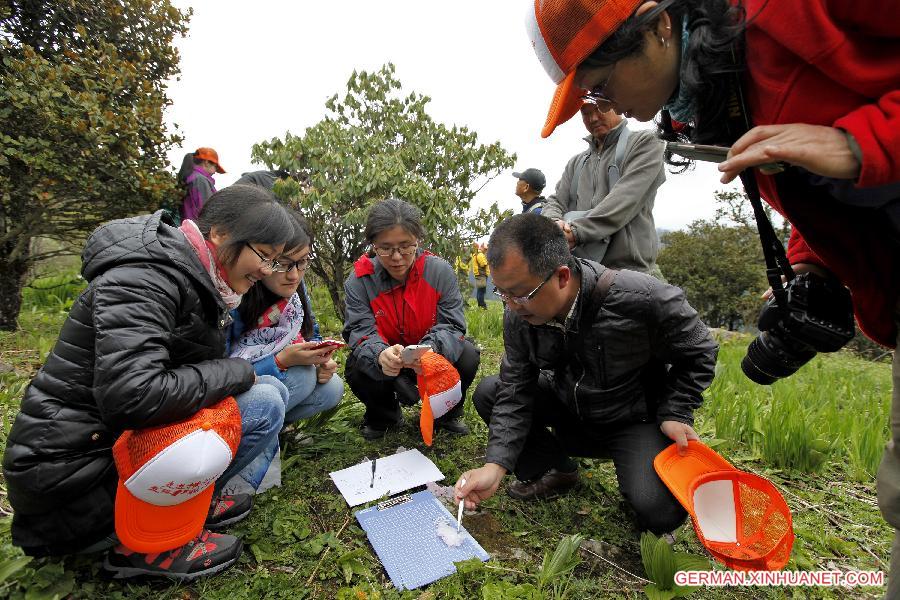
393 474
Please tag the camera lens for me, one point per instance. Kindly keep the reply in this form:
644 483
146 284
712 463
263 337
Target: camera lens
771 357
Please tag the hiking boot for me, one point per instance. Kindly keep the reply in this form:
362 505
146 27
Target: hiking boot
228 509
457 426
549 484
206 554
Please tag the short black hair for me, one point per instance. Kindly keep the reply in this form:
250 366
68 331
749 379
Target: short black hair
391 213
246 213
539 239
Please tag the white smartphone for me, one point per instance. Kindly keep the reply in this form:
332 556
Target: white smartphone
413 352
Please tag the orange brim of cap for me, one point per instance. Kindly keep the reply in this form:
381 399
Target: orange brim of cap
566 103
219 168
146 528
679 472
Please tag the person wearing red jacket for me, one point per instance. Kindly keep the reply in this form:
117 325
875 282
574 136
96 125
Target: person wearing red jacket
811 83
399 294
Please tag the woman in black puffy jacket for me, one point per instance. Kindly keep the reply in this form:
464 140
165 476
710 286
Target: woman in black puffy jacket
143 346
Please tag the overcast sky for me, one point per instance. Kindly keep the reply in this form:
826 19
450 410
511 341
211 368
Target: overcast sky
251 71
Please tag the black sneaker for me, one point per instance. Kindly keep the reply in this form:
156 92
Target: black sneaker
206 554
228 509
376 433
457 426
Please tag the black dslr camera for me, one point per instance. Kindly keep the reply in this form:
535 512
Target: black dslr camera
817 317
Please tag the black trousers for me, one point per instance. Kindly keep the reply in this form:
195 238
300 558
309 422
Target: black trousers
383 397
558 434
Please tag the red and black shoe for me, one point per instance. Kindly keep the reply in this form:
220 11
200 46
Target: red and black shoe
205 555
228 509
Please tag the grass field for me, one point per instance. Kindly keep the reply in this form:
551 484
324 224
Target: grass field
818 436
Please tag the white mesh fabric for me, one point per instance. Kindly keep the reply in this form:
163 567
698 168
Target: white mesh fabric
540 46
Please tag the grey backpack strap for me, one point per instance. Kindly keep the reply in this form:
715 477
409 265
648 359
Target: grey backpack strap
573 185
604 282
612 172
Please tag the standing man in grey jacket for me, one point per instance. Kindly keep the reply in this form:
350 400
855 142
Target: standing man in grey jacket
611 188
597 362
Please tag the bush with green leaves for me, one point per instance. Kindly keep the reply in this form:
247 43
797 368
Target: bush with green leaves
376 143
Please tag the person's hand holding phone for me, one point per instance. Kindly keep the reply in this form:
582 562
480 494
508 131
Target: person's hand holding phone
390 360
412 356
326 370
304 353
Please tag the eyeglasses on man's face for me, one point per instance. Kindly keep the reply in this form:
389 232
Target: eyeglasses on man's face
301 265
265 263
387 251
527 298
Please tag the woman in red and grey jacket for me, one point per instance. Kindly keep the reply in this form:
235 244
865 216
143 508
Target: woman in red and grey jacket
397 295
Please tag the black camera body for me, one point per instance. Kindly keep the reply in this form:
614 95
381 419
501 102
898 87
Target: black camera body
817 317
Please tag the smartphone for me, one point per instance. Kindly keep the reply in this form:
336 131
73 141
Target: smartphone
329 344
715 154
413 352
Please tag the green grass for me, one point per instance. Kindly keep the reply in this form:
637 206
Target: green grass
818 436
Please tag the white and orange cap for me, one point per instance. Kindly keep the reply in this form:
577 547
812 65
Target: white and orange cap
740 517
565 32
440 390
166 476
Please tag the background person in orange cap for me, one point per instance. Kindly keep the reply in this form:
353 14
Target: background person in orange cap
810 83
604 200
196 175
142 347
628 360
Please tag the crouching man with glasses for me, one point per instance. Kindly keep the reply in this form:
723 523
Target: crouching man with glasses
597 363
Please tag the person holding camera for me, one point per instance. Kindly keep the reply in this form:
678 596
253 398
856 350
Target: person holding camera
810 84
398 295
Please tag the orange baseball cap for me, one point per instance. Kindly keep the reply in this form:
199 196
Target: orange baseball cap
166 476
741 518
440 389
565 32
210 155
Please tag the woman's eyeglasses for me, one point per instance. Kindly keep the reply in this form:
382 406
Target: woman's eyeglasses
598 94
266 263
301 265
386 251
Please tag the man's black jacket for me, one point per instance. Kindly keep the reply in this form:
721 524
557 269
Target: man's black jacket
640 355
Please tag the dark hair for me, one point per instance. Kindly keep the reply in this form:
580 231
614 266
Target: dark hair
710 66
259 298
247 214
393 213
186 168
539 239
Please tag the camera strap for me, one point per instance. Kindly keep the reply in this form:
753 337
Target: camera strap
777 264
776 259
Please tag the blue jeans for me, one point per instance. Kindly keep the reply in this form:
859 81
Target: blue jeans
262 416
306 397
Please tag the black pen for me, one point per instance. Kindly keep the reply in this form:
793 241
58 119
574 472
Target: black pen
371 485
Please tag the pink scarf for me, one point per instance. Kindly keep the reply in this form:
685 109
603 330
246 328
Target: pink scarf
206 253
